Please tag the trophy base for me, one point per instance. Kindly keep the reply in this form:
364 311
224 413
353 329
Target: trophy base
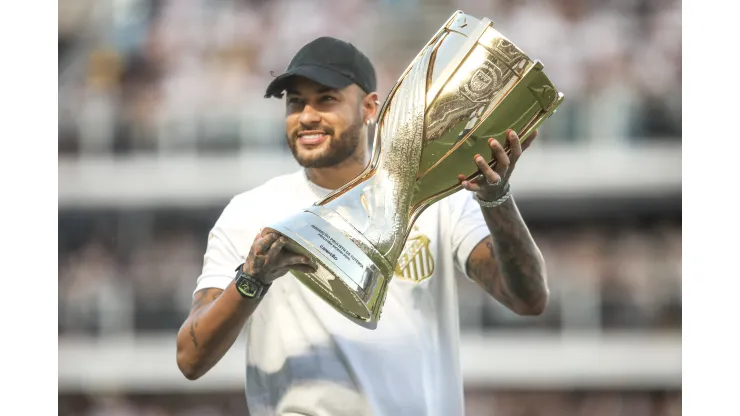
349 272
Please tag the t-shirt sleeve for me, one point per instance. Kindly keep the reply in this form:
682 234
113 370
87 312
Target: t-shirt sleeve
466 225
225 250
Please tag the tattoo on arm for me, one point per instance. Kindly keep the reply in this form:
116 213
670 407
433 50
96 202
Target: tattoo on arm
508 264
201 299
483 268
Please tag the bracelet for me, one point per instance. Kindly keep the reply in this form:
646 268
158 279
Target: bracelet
491 204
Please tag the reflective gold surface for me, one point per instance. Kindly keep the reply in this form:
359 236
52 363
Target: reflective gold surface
467 84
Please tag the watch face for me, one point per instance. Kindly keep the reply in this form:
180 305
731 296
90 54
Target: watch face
248 288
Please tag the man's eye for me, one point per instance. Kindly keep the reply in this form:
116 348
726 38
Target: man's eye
294 100
328 98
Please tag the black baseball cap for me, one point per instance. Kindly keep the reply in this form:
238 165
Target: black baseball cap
330 62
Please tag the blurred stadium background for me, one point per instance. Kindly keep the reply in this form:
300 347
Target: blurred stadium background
162 121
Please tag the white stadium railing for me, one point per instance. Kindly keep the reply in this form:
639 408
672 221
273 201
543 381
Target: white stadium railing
511 360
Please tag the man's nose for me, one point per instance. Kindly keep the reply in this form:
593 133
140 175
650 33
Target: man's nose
309 116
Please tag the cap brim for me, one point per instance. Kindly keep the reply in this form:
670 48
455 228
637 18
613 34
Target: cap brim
321 75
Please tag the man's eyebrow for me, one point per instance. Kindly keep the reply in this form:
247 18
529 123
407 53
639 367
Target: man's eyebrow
326 89
320 90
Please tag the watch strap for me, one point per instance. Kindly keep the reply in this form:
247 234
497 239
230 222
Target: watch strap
249 286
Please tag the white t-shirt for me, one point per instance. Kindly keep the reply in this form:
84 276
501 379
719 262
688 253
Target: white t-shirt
304 358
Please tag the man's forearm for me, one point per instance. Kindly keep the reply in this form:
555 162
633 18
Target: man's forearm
211 329
520 265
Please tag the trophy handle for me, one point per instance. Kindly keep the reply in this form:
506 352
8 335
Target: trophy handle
373 164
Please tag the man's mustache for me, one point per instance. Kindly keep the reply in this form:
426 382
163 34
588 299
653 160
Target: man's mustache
327 130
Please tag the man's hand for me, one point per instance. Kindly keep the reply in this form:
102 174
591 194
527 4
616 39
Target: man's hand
492 185
268 260
507 265
218 316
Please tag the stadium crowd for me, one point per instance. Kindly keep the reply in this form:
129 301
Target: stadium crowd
189 75
612 277
483 403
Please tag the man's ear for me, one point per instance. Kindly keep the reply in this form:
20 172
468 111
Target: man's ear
370 107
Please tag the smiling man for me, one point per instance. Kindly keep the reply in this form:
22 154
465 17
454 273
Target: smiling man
303 358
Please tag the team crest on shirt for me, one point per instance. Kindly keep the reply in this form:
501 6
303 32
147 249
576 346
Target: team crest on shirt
416 262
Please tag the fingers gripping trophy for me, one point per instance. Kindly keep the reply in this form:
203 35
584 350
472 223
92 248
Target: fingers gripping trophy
469 83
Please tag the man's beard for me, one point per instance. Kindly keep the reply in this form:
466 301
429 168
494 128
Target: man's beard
338 150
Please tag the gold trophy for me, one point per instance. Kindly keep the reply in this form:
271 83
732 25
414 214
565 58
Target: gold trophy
467 84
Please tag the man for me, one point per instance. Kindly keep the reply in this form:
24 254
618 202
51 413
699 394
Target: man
304 358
